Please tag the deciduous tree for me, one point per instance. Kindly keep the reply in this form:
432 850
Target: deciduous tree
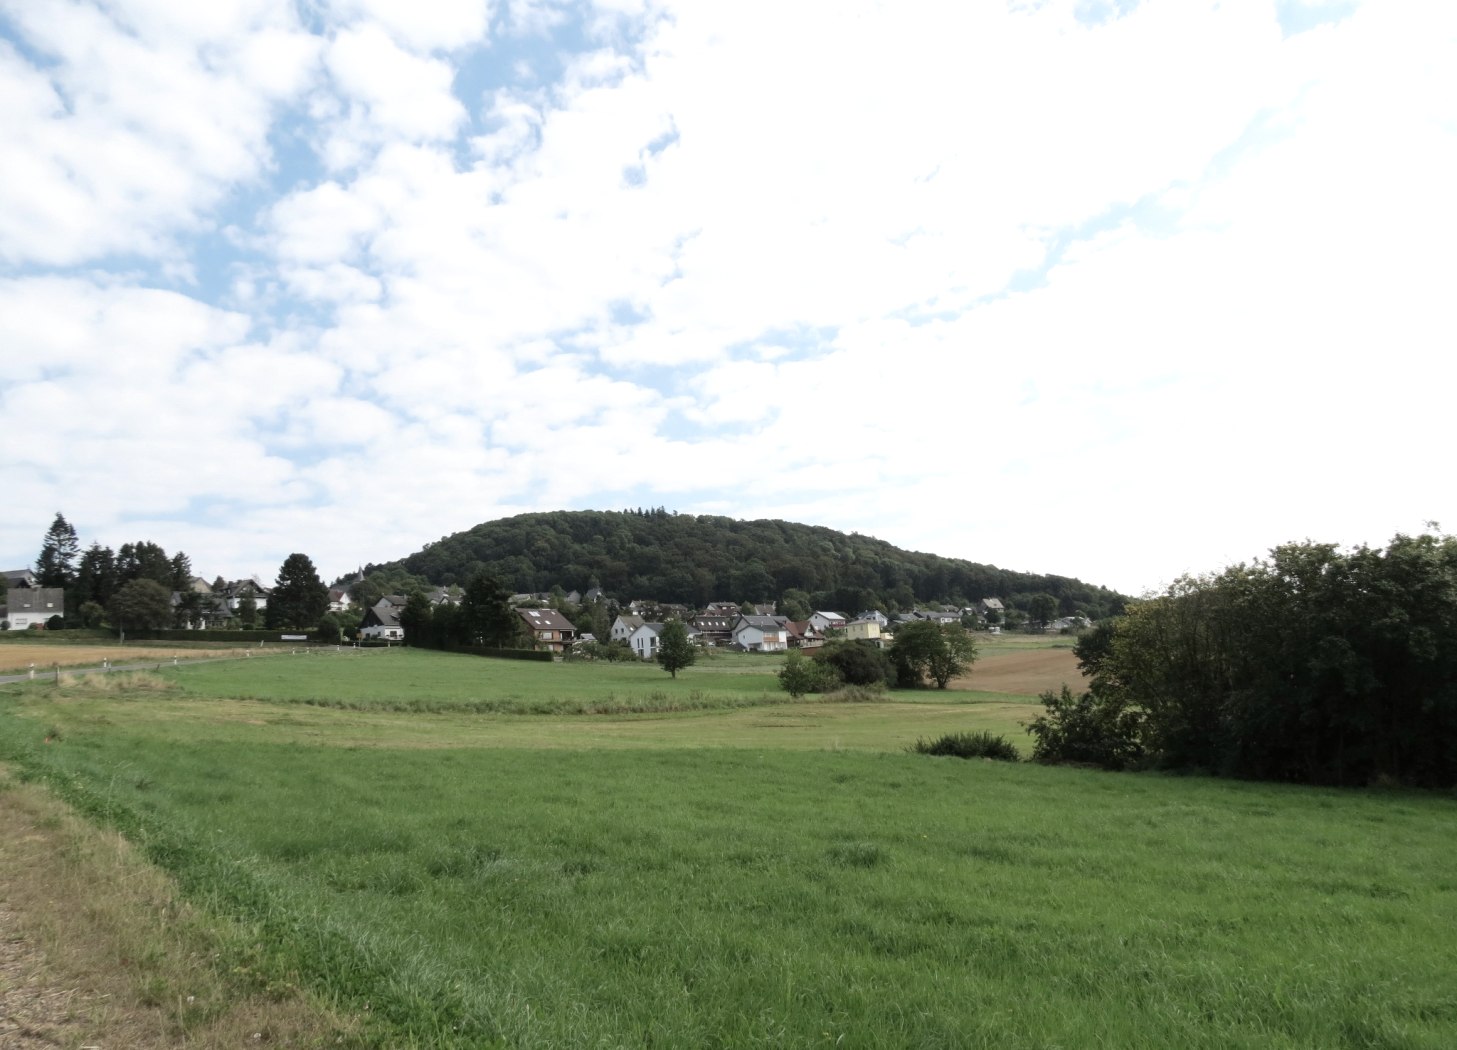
927 649
141 605
675 648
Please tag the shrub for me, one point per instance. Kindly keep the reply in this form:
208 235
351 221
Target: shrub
857 662
969 745
857 694
1095 727
799 676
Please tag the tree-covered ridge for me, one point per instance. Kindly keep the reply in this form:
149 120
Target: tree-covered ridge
695 559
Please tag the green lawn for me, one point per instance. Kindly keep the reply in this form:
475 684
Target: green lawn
777 874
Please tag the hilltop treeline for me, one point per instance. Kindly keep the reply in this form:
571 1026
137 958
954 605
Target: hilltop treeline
696 559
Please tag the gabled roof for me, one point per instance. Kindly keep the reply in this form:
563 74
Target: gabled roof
763 623
19 578
380 616
38 599
831 615
545 620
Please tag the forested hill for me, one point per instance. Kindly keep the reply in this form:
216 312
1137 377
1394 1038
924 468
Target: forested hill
666 557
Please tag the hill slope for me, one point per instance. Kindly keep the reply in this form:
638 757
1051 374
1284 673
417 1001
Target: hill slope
696 559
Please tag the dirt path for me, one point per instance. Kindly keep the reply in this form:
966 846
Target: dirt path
96 950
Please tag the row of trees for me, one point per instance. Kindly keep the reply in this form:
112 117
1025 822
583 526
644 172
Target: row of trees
1319 665
132 587
92 578
483 618
922 652
299 601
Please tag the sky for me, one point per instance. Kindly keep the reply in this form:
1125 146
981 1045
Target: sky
1110 289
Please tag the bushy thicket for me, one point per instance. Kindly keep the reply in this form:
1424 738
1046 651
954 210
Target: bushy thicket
799 676
856 662
1319 665
1097 729
969 745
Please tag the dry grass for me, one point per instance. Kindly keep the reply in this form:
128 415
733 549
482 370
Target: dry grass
96 950
16 657
1026 672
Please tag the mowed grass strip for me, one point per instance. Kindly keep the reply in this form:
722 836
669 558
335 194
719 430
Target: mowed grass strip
541 897
405 679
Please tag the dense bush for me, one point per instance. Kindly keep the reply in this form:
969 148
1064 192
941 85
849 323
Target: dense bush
612 652
857 662
538 655
969 745
799 676
1317 665
1102 731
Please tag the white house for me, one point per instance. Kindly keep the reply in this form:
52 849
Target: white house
33 606
644 639
624 626
648 637
823 621
382 622
233 592
760 634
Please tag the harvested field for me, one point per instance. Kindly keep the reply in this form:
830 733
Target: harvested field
15 658
1026 671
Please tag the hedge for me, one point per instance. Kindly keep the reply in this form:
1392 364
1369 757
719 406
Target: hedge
223 636
542 655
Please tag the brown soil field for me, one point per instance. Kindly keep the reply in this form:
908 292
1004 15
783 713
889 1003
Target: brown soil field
16 658
1025 671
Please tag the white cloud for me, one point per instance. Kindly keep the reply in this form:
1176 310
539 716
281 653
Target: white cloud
389 95
1114 300
134 130
440 24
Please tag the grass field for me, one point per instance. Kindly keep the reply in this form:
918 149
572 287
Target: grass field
744 871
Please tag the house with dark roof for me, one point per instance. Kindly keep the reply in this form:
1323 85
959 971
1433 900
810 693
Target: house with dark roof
760 634
15 578
233 592
716 628
548 628
29 607
382 623
648 637
802 634
624 625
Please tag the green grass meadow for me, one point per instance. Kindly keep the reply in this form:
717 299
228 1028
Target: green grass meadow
487 853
